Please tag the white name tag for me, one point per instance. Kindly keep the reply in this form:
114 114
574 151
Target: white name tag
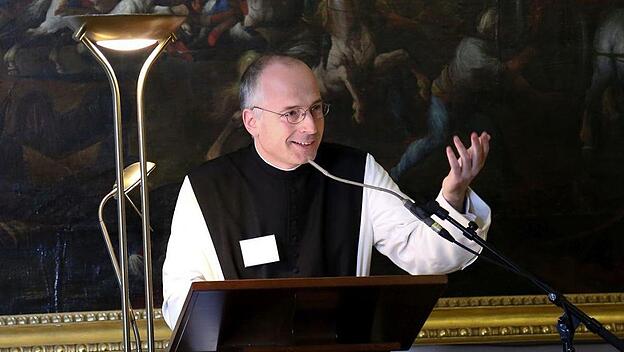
259 250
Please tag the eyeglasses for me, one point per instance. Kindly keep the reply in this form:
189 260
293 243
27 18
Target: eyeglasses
296 115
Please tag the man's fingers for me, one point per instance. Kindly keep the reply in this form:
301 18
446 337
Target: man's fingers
485 143
476 150
463 154
452 159
470 161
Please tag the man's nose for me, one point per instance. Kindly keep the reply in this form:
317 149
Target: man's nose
308 124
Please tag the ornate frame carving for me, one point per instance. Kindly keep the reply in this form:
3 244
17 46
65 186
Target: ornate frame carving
513 319
462 320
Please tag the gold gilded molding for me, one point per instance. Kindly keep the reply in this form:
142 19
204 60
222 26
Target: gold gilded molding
472 320
514 319
74 332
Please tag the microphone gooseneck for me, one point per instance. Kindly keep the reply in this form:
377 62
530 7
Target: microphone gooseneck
417 211
363 185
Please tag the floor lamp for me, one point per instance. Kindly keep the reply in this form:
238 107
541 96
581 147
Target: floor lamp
124 33
132 178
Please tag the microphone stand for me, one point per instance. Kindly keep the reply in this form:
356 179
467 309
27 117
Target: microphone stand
572 315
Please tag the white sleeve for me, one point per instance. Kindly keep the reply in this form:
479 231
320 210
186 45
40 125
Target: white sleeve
408 242
191 255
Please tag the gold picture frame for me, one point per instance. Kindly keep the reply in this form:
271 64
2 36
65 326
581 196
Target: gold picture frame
460 320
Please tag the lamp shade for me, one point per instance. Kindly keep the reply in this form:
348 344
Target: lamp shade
124 31
132 175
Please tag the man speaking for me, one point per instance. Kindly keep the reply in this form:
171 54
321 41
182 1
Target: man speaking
264 212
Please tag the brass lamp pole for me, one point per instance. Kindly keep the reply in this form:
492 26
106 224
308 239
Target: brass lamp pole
132 177
129 33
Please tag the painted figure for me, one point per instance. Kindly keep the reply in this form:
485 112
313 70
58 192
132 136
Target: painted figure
353 61
608 70
475 71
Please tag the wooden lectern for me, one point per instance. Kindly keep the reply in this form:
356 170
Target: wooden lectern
379 313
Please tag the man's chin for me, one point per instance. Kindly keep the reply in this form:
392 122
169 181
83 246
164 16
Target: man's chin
302 158
311 155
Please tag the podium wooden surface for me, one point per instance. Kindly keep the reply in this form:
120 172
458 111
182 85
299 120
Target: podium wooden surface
378 313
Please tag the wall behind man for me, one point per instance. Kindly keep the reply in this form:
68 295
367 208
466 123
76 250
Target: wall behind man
557 207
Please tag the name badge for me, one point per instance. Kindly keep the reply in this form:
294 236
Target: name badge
259 250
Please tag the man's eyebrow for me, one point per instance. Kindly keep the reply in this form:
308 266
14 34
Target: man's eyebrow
297 106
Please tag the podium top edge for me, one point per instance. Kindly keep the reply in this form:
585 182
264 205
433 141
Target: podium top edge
321 282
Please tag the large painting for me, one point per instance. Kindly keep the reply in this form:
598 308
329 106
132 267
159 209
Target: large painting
543 77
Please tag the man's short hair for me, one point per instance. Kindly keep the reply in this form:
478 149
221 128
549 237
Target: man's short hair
249 81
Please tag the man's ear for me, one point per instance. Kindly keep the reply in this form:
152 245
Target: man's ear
250 121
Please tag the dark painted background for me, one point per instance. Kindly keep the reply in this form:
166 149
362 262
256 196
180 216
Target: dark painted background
557 207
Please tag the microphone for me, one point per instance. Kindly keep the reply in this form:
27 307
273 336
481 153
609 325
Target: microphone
417 211
433 207
425 217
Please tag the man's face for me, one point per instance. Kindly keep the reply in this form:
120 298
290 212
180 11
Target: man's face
281 88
